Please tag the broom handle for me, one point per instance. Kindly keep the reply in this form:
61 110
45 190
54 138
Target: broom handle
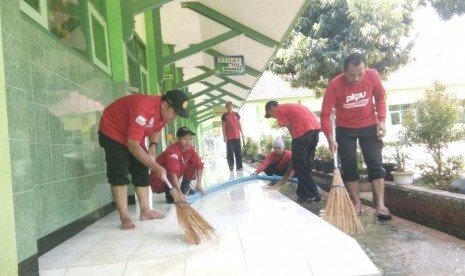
333 124
335 159
168 183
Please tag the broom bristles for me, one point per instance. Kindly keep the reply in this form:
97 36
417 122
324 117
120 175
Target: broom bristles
339 210
195 227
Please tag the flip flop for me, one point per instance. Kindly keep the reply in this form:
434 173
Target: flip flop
383 214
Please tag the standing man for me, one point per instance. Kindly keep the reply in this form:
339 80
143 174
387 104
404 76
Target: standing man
232 133
124 125
304 130
358 98
176 159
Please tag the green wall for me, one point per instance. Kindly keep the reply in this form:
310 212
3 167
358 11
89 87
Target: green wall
54 97
8 258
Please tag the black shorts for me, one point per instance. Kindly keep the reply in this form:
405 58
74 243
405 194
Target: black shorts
121 163
371 147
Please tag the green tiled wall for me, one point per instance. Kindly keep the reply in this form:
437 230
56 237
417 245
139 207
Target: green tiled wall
54 100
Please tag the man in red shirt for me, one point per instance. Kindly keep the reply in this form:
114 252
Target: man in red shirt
232 132
304 130
277 162
358 98
124 125
178 158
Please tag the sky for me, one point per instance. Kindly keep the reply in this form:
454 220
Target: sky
439 52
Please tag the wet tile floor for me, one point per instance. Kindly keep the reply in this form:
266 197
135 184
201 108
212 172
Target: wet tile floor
401 247
396 247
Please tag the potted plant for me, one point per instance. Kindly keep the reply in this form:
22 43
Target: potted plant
324 159
400 175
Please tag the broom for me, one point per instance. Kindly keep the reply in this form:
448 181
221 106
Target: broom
339 210
195 227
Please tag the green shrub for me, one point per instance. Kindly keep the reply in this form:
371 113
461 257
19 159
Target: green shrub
432 123
250 148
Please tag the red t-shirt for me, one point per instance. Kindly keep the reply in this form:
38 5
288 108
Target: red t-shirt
174 160
272 158
297 118
132 116
357 105
231 125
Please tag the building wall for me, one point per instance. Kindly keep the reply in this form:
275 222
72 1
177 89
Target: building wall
255 125
54 98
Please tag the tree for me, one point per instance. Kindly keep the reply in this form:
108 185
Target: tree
446 8
432 123
329 30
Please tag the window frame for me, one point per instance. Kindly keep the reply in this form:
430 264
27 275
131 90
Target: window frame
92 12
40 18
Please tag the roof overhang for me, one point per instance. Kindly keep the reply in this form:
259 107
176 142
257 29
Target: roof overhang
202 30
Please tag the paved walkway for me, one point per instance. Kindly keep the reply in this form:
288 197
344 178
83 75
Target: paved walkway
261 232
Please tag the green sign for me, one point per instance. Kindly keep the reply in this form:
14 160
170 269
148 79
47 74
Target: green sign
229 65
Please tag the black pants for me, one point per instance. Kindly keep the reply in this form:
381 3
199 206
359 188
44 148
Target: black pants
303 155
271 169
371 147
233 149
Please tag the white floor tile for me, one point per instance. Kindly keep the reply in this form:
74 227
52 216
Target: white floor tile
169 266
114 269
225 263
276 262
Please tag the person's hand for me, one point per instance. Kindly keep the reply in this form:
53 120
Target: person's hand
152 151
160 172
201 190
332 144
255 173
278 184
224 139
381 129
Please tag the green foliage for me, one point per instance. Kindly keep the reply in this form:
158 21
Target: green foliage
446 8
250 147
329 30
266 141
432 123
396 149
323 153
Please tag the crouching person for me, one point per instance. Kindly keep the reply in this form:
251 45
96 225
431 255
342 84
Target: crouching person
277 162
176 159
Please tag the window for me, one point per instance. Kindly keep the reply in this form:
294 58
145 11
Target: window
79 24
398 112
36 9
66 21
99 38
137 64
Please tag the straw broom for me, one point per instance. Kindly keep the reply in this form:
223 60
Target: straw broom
339 210
195 227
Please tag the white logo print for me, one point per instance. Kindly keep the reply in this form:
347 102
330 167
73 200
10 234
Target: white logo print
152 120
356 100
141 120
174 156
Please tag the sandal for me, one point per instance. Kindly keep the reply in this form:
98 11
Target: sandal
383 214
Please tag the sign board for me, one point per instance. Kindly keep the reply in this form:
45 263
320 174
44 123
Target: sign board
230 65
219 110
216 124
168 76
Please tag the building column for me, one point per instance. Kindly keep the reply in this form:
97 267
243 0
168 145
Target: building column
8 258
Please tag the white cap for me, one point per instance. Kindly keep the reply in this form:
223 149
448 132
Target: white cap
278 142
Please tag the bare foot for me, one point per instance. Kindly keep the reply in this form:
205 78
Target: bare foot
127 224
151 214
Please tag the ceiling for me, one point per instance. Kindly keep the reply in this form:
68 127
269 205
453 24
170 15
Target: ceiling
201 30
